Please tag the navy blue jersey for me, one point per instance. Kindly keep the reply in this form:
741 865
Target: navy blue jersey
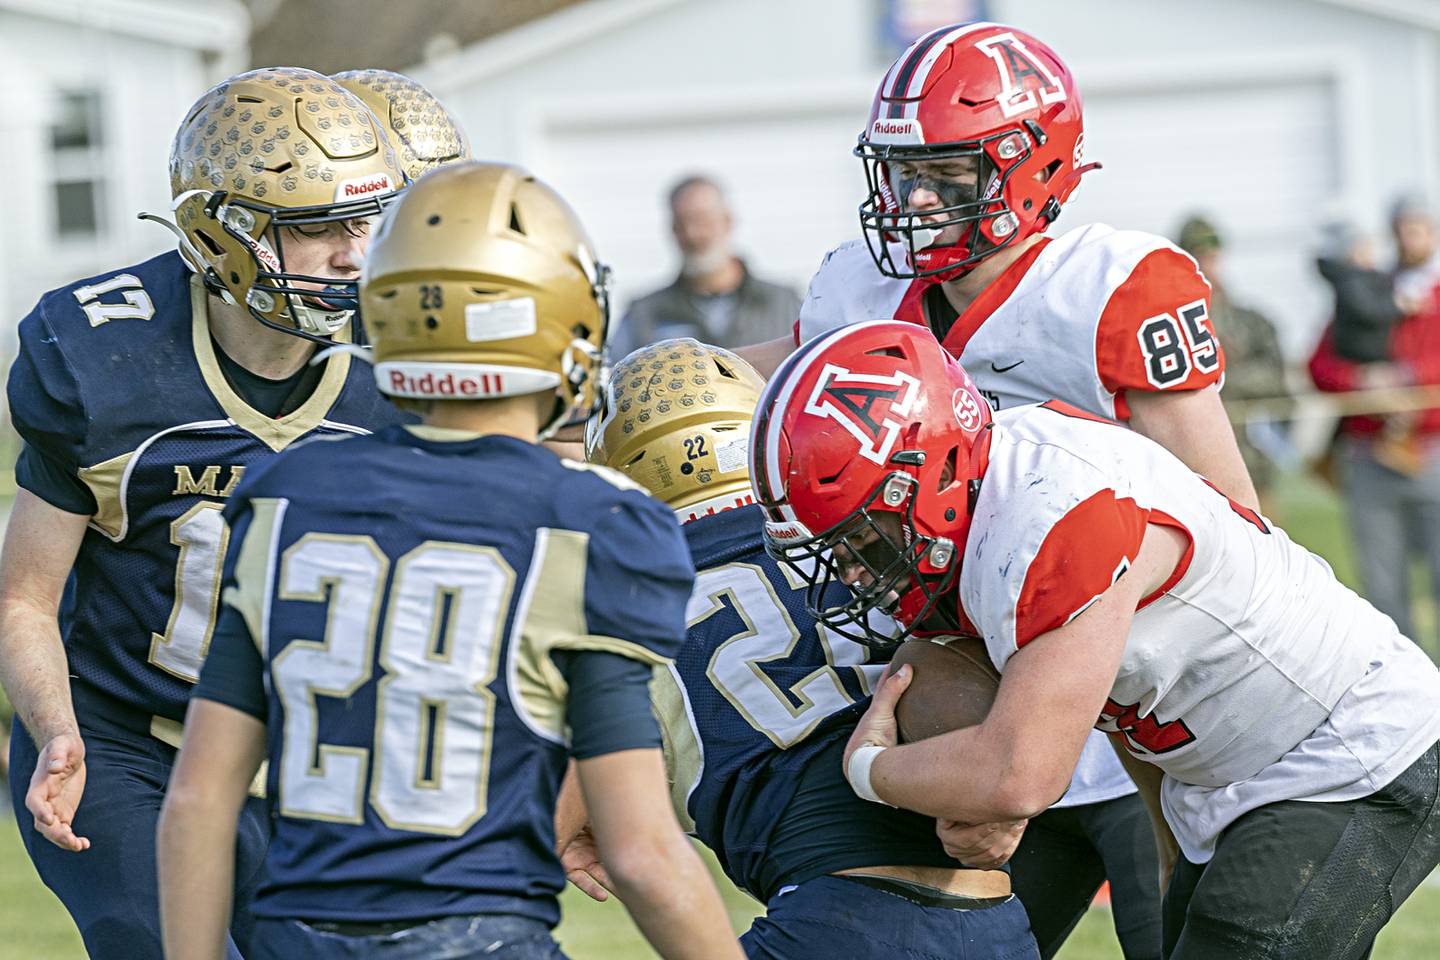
407 593
117 384
757 676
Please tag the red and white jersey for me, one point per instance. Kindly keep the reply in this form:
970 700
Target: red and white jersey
1251 676
1083 317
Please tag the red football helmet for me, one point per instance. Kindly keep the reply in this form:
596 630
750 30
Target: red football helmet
872 418
992 100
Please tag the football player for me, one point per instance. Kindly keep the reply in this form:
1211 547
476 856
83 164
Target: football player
418 658
1286 726
758 704
143 395
973 146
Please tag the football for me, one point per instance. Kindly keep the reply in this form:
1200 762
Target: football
953 687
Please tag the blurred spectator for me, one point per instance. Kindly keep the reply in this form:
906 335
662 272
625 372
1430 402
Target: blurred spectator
1254 366
1390 465
1366 308
1417 260
715 299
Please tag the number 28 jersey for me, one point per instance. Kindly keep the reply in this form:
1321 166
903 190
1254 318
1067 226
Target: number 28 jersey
117 382
1251 676
405 616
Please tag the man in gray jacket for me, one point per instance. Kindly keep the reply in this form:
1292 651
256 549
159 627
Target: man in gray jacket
715 299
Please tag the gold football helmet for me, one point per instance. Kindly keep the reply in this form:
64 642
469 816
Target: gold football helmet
676 419
424 132
481 283
270 150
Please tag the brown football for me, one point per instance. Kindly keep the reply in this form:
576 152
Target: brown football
954 686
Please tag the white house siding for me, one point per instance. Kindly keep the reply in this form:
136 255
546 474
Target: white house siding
1271 117
149 59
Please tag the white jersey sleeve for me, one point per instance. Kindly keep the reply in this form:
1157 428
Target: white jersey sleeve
848 288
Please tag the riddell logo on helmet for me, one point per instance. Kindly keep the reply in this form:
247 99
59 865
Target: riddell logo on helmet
446 384
262 253
904 130
358 188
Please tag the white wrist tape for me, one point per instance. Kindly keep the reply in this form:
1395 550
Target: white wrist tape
858 773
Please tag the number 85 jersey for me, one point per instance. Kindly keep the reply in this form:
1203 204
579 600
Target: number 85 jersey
117 387
1084 317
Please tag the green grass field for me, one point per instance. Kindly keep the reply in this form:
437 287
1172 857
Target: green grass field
33 925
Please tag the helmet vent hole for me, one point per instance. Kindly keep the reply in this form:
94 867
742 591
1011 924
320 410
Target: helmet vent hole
1050 170
431 323
244 99
282 168
635 459
515 220
886 352
434 220
209 242
725 371
389 294
947 473
483 292
830 479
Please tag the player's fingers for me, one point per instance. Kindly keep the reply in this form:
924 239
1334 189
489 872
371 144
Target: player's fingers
894 685
37 801
588 885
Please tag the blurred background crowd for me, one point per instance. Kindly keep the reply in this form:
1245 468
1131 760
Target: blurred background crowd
1291 147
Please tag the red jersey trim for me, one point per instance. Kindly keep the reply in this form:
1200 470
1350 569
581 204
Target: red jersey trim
1081 557
1154 332
912 306
1164 519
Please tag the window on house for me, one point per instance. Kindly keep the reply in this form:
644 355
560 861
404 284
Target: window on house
77 150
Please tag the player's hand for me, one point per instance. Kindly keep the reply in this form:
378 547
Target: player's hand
878 727
581 860
982 845
55 791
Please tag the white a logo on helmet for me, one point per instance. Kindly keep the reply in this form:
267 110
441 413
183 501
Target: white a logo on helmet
1014 62
860 402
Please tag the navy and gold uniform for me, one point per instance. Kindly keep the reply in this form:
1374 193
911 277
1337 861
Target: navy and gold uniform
128 415
423 646
119 393
756 711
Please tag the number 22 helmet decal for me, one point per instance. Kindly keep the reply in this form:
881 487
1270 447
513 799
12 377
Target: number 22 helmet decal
987 121
676 420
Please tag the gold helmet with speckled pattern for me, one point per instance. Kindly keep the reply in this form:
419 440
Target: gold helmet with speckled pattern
676 419
265 152
420 127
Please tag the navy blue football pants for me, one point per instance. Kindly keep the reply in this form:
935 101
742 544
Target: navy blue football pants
833 917
479 937
111 889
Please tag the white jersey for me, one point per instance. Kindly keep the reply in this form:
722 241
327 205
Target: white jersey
1252 676
1082 317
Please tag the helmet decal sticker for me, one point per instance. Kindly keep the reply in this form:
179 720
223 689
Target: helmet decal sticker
1015 64
850 399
